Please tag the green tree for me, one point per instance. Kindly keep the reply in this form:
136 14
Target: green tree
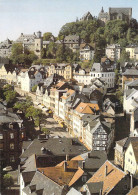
22 56
7 180
124 57
51 50
47 36
34 88
46 131
9 93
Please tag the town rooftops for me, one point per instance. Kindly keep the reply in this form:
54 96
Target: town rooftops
95 188
122 142
54 146
109 174
87 108
40 182
129 72
66 173
132 46
93 160
133 83
73 191
68 94
133 191
71 39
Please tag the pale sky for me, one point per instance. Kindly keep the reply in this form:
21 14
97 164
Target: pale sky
29 16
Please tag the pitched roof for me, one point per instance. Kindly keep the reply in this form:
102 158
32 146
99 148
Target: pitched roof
73 191
111 179
93 159
68 94
41 182
133 191
61 176
87 108
70 146
123 10
132 71
95 187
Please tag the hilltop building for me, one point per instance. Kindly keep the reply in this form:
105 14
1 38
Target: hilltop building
124 14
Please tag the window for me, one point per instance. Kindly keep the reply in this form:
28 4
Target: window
12 146
130 153
84 178
1 136
12 135
12 159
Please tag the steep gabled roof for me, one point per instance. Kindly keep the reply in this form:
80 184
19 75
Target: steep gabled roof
109 174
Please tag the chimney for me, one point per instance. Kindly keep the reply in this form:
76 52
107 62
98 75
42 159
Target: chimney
100 191
106 170
65 166
131 181
83 164
67 157
89 155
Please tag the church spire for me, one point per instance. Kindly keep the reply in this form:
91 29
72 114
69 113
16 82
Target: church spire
102 10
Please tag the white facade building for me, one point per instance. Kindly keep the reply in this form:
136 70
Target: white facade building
130 100
97 71
32 77
113 51
86 52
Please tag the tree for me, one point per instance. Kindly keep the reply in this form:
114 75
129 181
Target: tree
7 180
9 94
46 131
124 57
22 56
47 36
34 88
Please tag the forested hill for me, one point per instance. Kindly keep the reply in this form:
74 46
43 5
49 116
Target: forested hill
93 31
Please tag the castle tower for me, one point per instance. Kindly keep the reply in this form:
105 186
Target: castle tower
38 44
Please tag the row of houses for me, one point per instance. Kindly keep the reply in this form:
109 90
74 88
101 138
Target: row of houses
27 78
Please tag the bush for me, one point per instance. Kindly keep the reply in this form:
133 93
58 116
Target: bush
7 180
34 88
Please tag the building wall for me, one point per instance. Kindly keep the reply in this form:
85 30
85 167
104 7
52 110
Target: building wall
119 156
128 78
113 53
131 52
108 77
131 165
127 103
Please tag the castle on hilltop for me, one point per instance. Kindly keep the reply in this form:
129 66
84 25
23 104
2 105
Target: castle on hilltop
124 14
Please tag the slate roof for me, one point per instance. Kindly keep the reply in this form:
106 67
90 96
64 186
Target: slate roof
73 191
130 72
95 187
93 160
28 176
122 142
30 164
71 39
55 146
41 182
123 10
7 117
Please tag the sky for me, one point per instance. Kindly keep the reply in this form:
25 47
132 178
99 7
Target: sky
29 16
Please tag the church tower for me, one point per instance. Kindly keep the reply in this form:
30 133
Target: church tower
38 44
